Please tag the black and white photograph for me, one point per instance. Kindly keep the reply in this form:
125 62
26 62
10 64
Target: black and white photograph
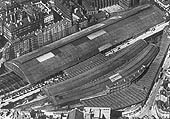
84 59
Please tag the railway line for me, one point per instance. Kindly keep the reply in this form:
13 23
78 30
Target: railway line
138 65
69 51
15 80
65 92
73 58
99 85
139 44
94 62
146 50
99 59
113 63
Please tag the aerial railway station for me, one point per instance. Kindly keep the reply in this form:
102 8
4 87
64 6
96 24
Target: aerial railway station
69 51
138 91
91 82
81 61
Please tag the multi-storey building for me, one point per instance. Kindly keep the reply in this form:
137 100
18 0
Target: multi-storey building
28 25
94 5
73 58
132 3
23 19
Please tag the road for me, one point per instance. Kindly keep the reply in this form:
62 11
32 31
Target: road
150 102
146 109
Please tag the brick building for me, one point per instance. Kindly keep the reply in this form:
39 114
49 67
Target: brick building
29 25
94 5
132 3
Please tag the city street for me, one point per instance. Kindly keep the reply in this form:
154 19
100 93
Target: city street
56 54
148 109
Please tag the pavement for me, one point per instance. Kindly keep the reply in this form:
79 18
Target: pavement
150 102
148 109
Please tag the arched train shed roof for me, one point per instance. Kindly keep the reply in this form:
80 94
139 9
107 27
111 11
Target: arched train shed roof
77 47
